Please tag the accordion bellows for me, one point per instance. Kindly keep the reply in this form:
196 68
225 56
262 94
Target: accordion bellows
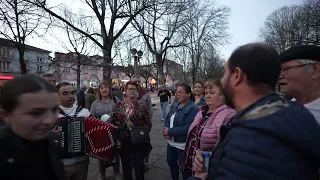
100 136
86 136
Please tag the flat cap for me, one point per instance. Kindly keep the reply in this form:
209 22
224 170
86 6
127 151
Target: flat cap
309 52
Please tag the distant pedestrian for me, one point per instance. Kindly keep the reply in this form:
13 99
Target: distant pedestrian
165 98
89 98
81 97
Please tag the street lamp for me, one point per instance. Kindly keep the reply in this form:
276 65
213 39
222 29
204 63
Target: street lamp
136 55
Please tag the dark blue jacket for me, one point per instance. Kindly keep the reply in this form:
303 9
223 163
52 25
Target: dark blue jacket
202 102
273 139
182 120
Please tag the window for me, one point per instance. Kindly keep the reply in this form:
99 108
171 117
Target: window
85 69
39 59
4 52
5 66
39 69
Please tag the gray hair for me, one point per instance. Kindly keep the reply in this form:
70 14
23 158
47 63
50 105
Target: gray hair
306 61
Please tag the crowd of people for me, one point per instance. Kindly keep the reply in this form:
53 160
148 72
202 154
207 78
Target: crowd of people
237 127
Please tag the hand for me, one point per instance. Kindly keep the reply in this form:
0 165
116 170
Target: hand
169 101
198 161
202 176
167 137
165 131
55 130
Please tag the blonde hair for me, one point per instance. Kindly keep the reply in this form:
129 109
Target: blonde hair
213 82
104 83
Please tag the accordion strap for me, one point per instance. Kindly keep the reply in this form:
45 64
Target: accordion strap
79 108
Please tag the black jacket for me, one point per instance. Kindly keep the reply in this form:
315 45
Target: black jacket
14 161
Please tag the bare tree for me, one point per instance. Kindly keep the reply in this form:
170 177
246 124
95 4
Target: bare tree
293 25
112 13
211 66
18 21
77 43
208 29
149 69
123 55
159 26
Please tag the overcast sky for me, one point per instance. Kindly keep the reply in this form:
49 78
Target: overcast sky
246 18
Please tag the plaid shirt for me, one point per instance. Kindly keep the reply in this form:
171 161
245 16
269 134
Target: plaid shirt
193 143
138 114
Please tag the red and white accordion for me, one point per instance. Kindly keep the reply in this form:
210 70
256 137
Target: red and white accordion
86 136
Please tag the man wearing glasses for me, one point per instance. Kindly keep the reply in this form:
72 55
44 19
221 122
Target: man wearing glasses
300 76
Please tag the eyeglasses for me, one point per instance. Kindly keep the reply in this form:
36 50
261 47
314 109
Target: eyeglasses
286 69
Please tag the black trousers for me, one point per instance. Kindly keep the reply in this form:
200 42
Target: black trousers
133 155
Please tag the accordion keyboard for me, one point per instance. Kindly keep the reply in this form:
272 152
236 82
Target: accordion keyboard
76 136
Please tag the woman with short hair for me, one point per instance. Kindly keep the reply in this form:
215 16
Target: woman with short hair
204 132
128 114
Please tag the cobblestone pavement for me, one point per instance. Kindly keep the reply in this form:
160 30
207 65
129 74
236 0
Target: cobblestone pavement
159 169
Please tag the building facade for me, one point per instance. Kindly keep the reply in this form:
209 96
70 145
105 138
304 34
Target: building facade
36 59
65 67
173 72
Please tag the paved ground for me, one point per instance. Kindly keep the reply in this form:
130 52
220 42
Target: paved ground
159 168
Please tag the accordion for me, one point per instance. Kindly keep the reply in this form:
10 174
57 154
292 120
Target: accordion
86 136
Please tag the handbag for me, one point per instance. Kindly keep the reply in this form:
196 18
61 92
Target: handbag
140 134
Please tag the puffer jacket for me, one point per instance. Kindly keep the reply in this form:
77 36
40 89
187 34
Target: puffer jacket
210 133
271 139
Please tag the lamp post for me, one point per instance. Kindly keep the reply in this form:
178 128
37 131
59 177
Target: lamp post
136 55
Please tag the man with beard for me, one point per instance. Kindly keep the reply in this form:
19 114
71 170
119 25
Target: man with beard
76 168
300 76
268 138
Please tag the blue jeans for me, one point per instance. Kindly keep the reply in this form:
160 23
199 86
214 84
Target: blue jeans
164 108
174 156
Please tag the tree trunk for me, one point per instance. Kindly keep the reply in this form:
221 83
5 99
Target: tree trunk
107 63
159 61
78 70
23 66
